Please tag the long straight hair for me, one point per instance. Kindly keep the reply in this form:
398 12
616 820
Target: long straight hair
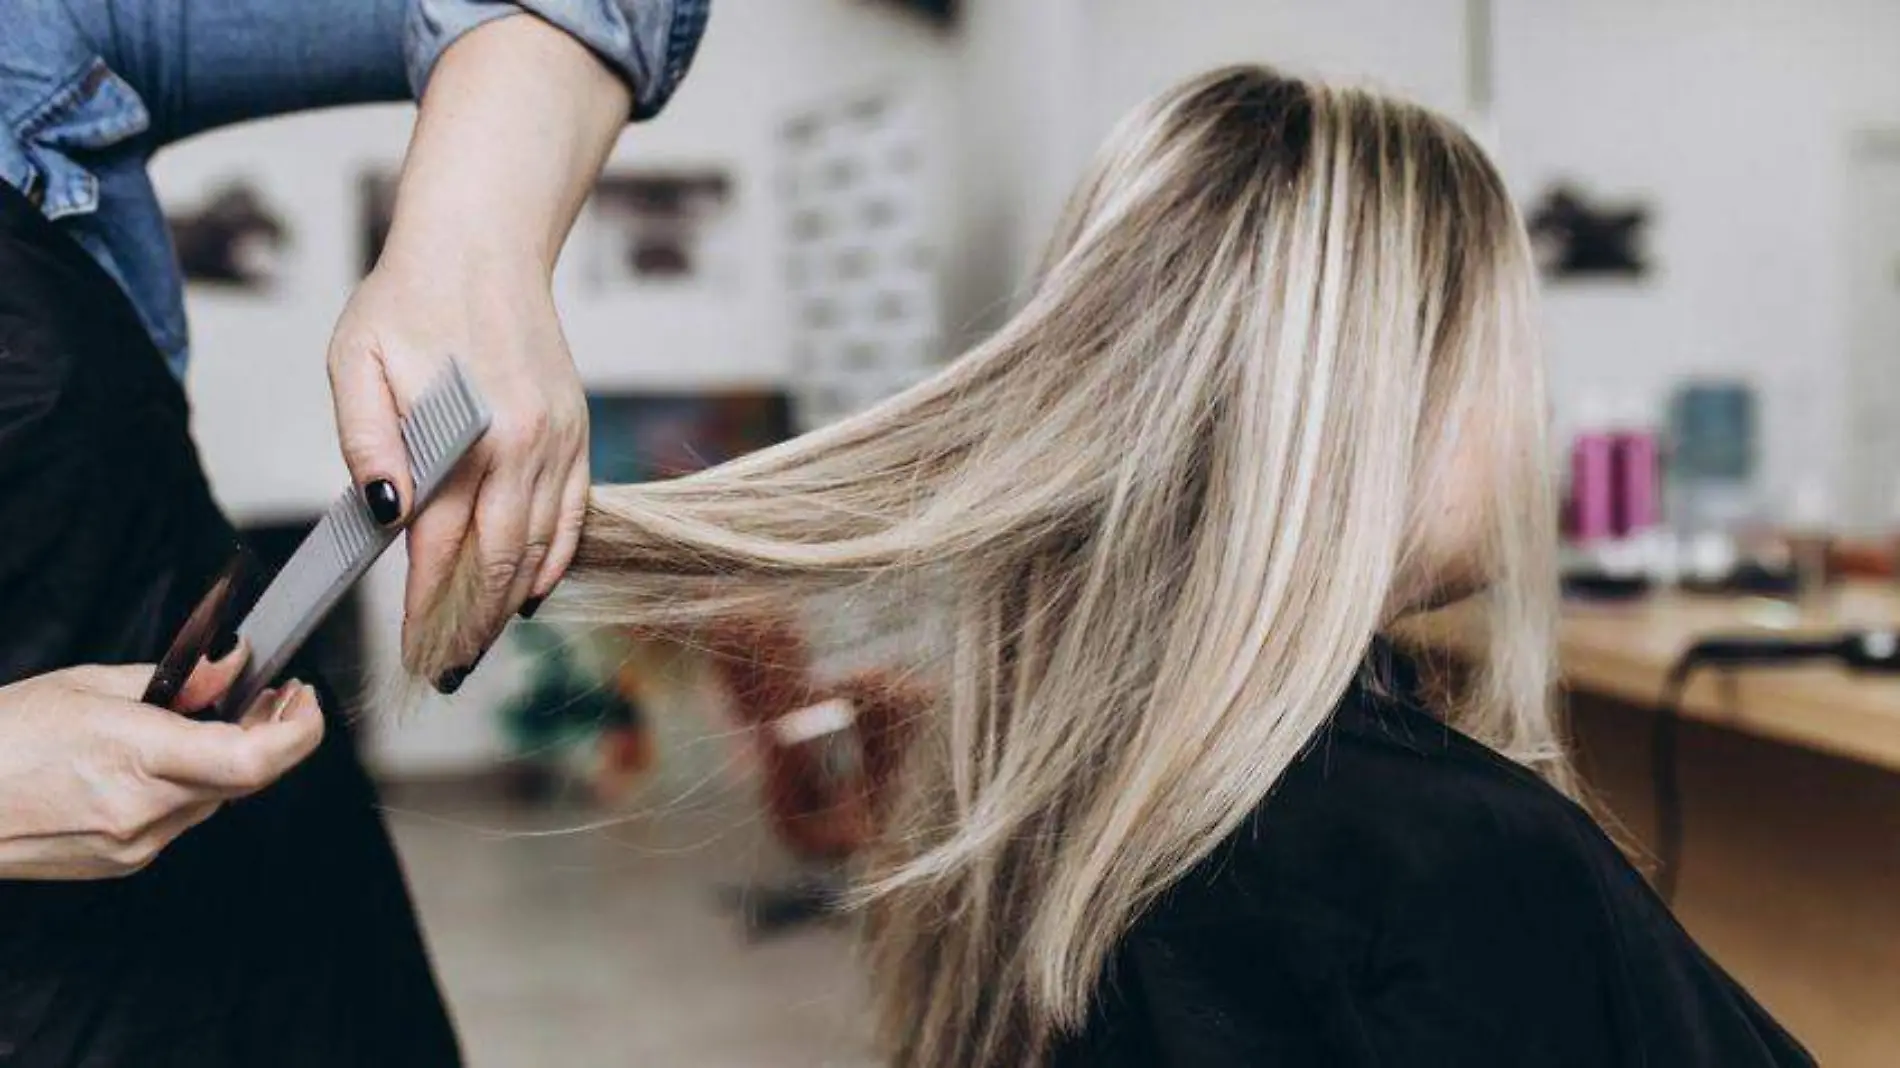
1281 346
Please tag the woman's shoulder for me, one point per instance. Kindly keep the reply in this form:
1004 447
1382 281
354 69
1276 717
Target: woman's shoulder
1391 873
1407 895
1389 805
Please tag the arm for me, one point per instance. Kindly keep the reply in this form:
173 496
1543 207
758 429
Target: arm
200 64
515 124
517 117
514 90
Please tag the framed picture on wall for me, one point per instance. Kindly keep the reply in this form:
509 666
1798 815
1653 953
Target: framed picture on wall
234 238
375 207
859 262
661 228
640 437
1576 235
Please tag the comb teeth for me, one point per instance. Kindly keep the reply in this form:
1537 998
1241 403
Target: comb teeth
350 526
444 421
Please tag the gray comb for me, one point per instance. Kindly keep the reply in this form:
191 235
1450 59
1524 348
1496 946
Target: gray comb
445 422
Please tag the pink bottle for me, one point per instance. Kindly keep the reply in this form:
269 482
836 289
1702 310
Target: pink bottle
1615 475
1592 505
1636 497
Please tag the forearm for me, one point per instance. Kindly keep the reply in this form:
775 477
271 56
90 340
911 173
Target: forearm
516 122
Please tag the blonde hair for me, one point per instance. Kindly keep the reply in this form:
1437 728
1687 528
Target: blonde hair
1164 511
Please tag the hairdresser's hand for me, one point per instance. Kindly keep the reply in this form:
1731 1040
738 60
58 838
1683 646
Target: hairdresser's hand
94 784
507 524
515 125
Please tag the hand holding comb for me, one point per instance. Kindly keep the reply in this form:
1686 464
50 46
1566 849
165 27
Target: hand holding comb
445 422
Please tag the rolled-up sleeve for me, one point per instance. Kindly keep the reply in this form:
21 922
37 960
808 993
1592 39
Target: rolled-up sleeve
649 42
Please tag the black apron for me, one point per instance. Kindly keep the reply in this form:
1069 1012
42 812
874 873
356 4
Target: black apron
280 932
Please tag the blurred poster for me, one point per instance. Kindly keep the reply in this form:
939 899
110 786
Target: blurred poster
233 238
1574 235
597 712
640 437
860 265
670 228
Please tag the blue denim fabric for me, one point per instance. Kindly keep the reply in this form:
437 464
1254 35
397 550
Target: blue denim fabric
89 89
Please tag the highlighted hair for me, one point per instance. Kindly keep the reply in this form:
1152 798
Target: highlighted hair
1163 511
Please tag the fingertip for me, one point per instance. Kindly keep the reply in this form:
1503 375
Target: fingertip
554 568
260 708
567 532
286 699
294 700
384 501
449 682
297 717
211 678
223 644
231 652
307 710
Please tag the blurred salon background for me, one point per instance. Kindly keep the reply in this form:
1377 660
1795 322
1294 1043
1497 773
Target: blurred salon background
627 850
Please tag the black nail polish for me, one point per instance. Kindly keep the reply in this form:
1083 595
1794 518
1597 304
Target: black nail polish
451 680
385 505
530 606
222 643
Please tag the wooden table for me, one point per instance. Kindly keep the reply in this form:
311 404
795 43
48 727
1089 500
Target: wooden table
1791 798
1622 651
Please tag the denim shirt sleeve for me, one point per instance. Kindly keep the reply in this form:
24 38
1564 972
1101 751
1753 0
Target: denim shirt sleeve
90 88
58 101
198 64
649 42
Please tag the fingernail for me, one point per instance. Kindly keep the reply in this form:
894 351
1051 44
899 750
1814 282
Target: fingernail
530 606
451 680
223 644
285 698
295 696
385 505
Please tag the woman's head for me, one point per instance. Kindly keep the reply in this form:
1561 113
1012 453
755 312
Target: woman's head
1276 385
1358 255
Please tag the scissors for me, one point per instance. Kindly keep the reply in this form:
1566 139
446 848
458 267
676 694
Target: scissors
210 630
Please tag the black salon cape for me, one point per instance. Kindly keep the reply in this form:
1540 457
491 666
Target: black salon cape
1409 898
280 932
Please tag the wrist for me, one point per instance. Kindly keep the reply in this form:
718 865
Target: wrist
468 256
512 132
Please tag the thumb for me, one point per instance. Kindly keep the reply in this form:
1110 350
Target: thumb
232 759
369 428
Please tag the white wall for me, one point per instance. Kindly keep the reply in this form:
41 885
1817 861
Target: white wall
1139 47
1045 81
261 402
1021 73
1734 119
